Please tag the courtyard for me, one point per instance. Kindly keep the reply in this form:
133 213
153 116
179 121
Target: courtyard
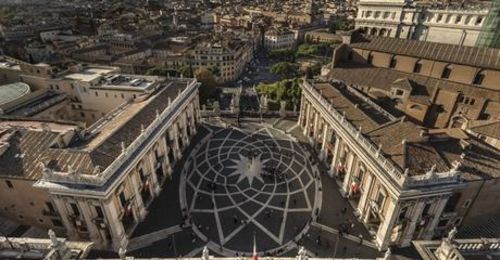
256 181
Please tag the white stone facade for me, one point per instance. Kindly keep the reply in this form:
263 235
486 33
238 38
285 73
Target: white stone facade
406 20
387 200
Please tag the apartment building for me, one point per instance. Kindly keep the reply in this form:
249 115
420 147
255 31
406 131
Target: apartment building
279 38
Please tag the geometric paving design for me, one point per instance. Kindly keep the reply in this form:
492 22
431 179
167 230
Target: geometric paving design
240 184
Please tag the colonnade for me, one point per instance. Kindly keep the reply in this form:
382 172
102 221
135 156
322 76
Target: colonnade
393 219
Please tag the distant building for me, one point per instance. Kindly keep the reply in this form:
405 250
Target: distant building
408 20
279 38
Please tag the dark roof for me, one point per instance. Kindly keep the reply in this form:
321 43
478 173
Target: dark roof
419 152
383 79
35 145
490 128
449 53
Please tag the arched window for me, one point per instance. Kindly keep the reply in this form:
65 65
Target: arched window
418 67
446 72
393 62
478 79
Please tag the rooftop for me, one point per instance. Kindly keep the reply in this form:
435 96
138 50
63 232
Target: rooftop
12 92
90 73
63 147
411 146
449 53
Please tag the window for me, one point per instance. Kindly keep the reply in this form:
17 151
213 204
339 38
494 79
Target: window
439 18
478 79
74 208
380 200
457 222
370 59
446 72
472 101
82 114
123 200
418 67
467 203
123 96
452 202
479 20
458 19
9 184
96 94
99 212
426 209
56 222
50 207
402 213
443 223
393 62
399 92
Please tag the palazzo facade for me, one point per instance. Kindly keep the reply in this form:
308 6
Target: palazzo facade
95 182
393 172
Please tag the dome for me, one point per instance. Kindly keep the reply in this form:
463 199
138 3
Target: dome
14 91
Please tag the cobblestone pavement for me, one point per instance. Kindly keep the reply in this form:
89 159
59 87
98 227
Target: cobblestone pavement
250 183
219 200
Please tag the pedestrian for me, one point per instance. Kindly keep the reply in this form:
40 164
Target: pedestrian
360 239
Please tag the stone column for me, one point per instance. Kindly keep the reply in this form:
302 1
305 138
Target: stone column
308 119
336 150
322 155
140 204
150 159
438 210
183 119
162 145
177 148
115 225
64 213
85 210
349 169
415 218
367 188
385 228
301 113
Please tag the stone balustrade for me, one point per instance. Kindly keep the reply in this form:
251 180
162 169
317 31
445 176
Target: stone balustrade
126 156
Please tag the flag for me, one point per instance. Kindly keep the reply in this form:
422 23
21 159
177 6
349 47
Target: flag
255 256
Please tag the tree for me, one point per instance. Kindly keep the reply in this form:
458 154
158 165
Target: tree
159 71
186 71
208 86
284 69
215 70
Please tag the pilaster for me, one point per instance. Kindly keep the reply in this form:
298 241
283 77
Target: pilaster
137 194
385 228
120 239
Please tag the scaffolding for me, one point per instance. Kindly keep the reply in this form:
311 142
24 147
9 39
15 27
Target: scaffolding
490 31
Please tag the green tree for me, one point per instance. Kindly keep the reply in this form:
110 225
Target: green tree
284 69
215 70
208 88
186 71
160 71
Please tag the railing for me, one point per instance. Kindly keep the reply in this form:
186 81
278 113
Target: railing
127 153
394 171
374 151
